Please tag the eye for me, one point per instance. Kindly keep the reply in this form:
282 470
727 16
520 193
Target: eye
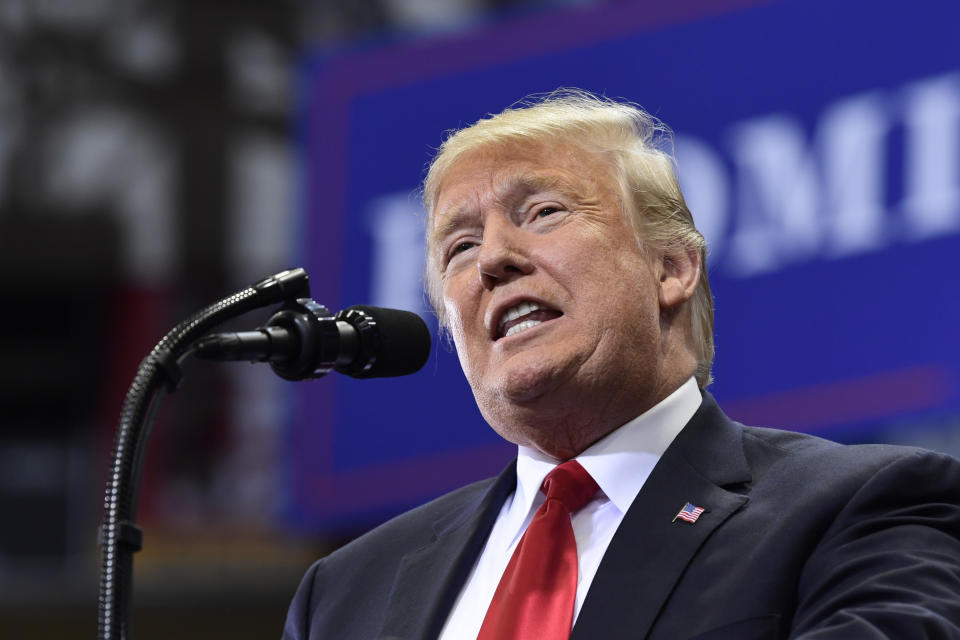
461 247
543 212
458 248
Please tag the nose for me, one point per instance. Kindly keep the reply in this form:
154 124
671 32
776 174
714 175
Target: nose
503 255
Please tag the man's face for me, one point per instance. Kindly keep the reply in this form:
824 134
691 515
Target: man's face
552 305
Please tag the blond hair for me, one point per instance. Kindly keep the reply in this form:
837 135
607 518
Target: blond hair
640 149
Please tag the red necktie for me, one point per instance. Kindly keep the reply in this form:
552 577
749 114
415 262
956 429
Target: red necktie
536 595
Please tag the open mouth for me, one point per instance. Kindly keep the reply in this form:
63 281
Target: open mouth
523 316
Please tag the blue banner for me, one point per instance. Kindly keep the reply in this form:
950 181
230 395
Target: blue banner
818 144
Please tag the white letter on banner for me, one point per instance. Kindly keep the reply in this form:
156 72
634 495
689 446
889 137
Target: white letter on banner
852 141
778 193
396 227
932 164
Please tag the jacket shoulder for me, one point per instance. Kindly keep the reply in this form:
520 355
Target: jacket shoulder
361 575
818 455
418 526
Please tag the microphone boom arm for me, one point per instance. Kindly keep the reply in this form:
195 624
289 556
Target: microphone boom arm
120 537
301 340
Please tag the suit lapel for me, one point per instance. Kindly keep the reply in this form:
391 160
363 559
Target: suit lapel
650 550
430 578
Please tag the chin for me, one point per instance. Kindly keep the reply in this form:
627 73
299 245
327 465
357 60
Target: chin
528 383
521 408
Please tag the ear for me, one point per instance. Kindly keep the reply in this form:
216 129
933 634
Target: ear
679 276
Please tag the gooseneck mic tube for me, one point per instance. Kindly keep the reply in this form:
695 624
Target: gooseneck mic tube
159 372
304 340
301 340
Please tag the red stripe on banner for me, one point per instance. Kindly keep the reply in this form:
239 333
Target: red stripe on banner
848 402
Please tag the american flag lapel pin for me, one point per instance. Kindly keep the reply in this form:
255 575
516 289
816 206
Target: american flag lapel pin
690 513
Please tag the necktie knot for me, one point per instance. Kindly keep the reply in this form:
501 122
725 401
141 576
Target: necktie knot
570 484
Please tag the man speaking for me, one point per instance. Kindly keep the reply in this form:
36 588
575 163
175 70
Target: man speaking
566 266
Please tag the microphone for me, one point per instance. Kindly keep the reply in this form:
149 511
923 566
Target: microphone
304 340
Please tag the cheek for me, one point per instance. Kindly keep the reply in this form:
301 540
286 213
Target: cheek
467 352
454 319
457 310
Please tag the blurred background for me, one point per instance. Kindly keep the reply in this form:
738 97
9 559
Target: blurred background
158 155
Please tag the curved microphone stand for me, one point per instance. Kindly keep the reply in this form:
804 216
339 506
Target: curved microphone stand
120 537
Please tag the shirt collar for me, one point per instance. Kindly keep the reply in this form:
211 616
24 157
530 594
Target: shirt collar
621 461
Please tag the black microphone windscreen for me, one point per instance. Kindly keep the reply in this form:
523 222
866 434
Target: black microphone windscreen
405 342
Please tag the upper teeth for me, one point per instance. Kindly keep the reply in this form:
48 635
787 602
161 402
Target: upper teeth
521 309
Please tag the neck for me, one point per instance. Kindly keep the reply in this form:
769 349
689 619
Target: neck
565 425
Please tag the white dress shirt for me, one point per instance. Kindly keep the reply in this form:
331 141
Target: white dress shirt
620 463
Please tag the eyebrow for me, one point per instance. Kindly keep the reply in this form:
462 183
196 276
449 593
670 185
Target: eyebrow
452 219
515 188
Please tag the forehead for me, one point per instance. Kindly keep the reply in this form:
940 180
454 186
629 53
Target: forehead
501 172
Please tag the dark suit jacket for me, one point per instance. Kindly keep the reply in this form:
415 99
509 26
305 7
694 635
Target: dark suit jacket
801 538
